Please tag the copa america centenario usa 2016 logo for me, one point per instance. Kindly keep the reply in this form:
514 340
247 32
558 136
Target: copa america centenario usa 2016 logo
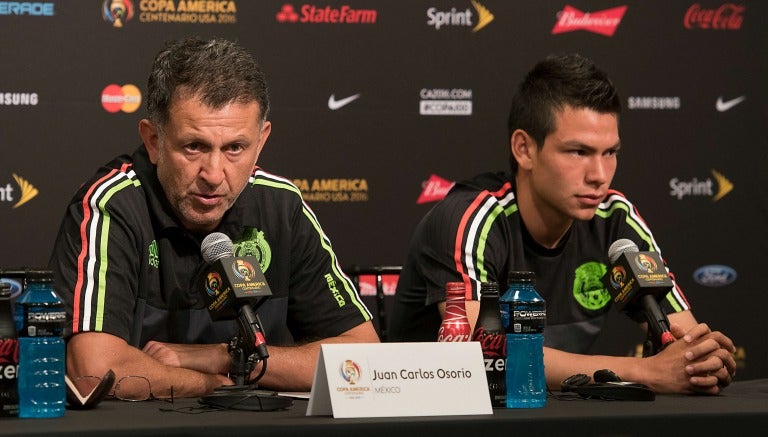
350 371
243 269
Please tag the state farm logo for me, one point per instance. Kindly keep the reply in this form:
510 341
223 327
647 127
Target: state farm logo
727 17
602 22
325 15
126 98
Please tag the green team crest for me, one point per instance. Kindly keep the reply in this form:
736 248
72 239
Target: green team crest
252 243
588 289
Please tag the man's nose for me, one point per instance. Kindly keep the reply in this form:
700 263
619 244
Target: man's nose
212 168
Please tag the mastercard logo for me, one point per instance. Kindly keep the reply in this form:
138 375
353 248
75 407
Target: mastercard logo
126 98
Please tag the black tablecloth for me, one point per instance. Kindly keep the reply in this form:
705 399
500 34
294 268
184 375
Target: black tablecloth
741 410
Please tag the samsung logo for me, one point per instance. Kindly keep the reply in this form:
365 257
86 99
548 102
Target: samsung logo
714 275
18 99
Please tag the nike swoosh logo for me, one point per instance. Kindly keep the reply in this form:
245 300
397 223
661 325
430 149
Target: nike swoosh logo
334 104
724 106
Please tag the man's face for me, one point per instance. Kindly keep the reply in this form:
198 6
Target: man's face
204 157
571 173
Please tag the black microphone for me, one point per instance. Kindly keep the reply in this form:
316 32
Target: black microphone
637 281
233 286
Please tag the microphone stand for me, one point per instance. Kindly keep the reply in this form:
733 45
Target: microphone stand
251 339
658 335
240 370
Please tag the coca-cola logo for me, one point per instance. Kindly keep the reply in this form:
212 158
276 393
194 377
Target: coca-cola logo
727 17
9 351
492 345
446 335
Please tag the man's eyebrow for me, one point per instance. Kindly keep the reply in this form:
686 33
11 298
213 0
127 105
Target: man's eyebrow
577 143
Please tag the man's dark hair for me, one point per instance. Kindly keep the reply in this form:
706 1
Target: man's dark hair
217 71
555 82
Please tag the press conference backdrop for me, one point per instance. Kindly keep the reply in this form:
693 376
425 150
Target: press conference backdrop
378 106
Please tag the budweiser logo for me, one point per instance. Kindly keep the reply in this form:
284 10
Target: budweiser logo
602 22
726 17
434 189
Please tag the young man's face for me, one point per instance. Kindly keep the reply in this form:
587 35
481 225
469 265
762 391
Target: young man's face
205 156
571 173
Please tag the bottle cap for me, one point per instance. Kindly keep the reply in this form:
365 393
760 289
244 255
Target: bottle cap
39 275
490 287
521 276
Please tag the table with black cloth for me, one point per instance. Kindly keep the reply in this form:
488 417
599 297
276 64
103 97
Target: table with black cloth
742 409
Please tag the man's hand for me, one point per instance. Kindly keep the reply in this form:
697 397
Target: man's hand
711 364
94 353
205 358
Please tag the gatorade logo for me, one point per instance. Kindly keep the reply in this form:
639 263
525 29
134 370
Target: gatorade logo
126 98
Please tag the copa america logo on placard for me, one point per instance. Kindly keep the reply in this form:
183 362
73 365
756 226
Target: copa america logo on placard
645 263
618 275
213 284
243 270
350 371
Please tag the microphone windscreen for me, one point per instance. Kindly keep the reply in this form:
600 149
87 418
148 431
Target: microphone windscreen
215 246
619 247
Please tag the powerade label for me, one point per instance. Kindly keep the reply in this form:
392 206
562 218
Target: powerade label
527 317
44 321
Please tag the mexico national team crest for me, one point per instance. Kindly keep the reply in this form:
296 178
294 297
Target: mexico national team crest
350 371
252 243
588 289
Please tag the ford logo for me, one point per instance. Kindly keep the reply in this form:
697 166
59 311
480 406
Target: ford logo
15 284
714 275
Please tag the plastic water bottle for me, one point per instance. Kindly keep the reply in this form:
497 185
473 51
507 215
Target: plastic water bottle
42 391
524 315
9 356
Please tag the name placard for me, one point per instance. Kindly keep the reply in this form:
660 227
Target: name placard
400 379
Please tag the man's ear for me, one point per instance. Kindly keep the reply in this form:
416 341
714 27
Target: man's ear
522 147
150 135
266 129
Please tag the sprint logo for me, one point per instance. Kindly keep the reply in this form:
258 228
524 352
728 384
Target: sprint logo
23 193
716 187
459 18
